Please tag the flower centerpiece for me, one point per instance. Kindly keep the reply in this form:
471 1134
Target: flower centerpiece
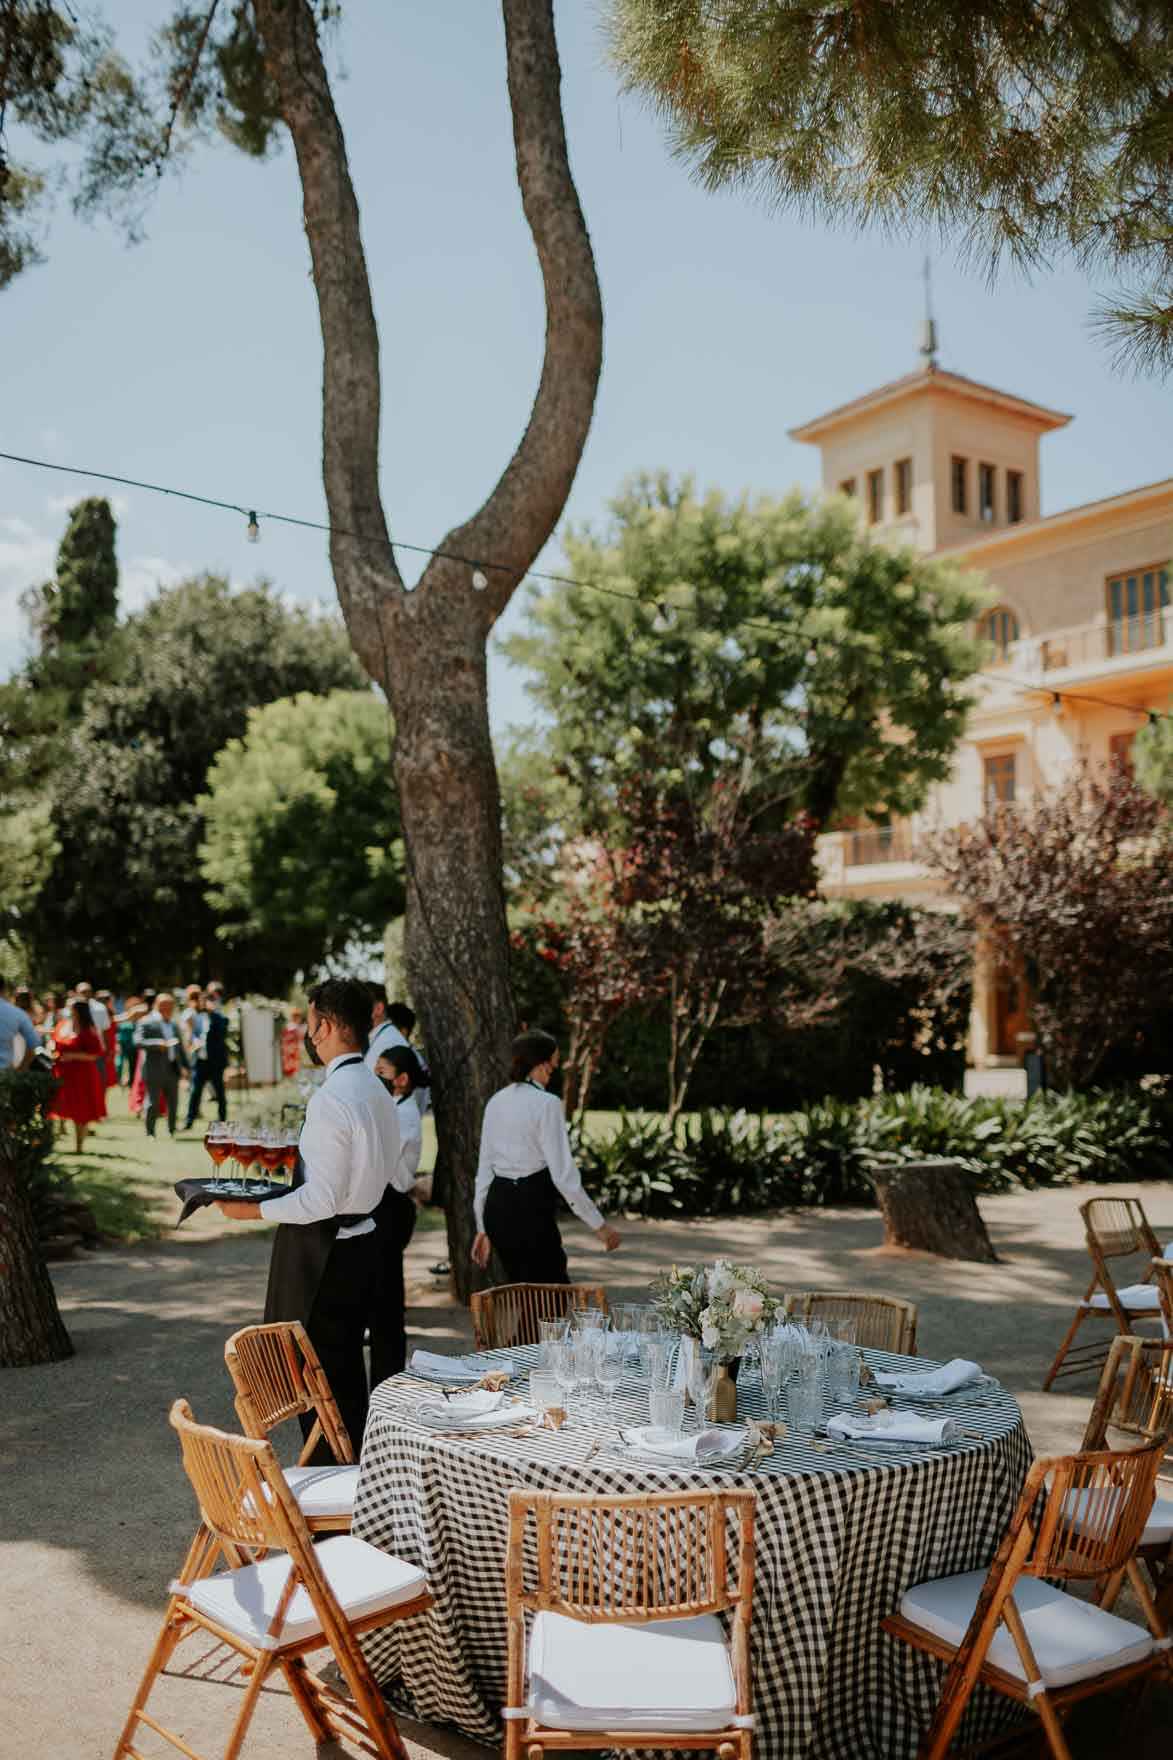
718 1307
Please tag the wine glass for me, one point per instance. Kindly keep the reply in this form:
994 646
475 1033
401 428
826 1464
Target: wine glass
246 1147
218 1143
564 1364
775 1368
702 1372
609 1370
291 1141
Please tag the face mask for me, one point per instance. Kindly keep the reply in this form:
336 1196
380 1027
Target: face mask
554 1085
311 1050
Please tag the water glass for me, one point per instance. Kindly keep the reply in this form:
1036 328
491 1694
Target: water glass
702 1372
609 1371
666 1410
775 1368
544 1391
656 1360
550 1333
589 1320
843 1375
843 1329
804 1400
565 1366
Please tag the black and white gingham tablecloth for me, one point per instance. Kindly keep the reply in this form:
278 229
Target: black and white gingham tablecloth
839 1538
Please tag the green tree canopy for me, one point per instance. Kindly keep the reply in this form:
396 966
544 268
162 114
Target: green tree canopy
1152 759
723 635
302 847
1024 127
124 896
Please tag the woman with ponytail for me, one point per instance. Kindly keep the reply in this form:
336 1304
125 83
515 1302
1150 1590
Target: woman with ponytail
525 1162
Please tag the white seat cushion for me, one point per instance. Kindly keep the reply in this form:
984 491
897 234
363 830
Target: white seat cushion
1140 1298
364 1580
1158 1530
1072 1640
323 1491
670 1675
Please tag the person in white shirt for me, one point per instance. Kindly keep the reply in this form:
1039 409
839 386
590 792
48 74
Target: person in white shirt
383 1031
399 1071
525 1161
324 1265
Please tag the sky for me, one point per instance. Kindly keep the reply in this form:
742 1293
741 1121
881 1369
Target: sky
194 358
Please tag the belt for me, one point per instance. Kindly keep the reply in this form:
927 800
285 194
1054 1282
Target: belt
348 1219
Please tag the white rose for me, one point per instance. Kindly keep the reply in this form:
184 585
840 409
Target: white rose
710 1336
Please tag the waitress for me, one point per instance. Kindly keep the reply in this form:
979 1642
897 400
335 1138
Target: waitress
525 1160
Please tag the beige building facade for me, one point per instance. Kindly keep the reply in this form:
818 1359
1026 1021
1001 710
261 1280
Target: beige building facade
1079 610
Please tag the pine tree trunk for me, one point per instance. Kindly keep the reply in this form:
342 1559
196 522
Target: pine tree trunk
31 1328
930 1207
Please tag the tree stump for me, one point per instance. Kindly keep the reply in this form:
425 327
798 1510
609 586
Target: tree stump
930 1207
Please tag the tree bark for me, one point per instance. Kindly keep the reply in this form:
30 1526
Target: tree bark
31 1328
930 1207
427 648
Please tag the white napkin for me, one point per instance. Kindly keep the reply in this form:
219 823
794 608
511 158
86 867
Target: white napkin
709 1445
452 1371
473 1411
891 1427
947 1379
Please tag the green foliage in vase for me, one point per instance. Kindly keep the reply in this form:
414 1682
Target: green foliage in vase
302 847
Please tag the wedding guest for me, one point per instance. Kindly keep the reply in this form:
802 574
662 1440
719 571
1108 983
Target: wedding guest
81 1093
157 1037
15 1022
525 1161
209 1059
399 1071
189 1019
109 1038
125 1023
22 997
324 1266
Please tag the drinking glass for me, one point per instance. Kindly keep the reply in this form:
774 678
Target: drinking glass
609 1371
270 1150
702 1371
550 1333
245 1149
585 1346
843 1329
666 1410
775 1358
587 1320
218 1143
544 1390
289 1146
843 1375
804 1396
656 1355
565 1367
651 1331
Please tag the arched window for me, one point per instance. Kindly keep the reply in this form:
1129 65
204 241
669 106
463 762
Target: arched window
999 627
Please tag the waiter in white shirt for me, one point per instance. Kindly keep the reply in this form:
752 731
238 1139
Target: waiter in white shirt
324 1265
399 1070
384 1033
525 1160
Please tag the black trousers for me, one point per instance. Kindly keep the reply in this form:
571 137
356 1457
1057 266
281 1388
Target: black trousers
201 1077
338 1320
521 1222
166 1090
395 1219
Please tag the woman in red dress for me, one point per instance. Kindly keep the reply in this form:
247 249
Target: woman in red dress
81 1095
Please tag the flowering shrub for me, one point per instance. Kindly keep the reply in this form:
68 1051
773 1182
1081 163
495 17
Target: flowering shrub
722 1305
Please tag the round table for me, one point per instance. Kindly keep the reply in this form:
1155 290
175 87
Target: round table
839 1537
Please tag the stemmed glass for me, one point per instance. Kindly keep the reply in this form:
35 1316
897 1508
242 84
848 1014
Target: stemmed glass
245 1148
564 1363
702 1371
271 1149
609 1370
290 1142
218 1143
775 1368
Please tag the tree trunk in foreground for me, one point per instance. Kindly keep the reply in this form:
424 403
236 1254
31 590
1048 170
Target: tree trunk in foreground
427 647
31 1328
930 1207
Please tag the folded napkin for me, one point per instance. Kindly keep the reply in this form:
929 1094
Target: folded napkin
454 1371
947 1379
891 1427
473 1411
708 1446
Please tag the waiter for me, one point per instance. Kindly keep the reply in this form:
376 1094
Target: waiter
324 1267
525 1161
399 1071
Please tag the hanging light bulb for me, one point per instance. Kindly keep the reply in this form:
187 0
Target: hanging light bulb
480 579
252 531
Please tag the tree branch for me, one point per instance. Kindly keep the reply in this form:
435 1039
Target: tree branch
523 509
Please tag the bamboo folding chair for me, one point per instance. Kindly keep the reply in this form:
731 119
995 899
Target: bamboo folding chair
277 1376
611 1662
302 1597
508 1314
882 1323
1135 1402
1080 1517
1115 1228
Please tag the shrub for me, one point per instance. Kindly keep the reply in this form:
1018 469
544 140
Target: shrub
26 1140
728 1162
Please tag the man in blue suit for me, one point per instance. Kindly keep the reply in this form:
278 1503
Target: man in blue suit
209 1056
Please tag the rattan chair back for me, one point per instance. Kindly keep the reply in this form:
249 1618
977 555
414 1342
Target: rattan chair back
277 1375
508 1314
882 1323
1135 1396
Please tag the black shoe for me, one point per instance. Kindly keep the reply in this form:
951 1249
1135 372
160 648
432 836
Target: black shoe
443 1269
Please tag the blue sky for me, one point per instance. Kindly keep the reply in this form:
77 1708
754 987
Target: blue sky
194 358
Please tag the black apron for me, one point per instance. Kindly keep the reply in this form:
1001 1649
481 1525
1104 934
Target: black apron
300 1252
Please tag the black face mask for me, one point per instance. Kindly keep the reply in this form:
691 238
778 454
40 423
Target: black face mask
311 1051
554 1085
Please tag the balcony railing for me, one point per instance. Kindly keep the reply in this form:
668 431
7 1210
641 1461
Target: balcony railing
1087 643
880 843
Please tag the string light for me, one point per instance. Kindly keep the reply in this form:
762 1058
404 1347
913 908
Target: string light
664 615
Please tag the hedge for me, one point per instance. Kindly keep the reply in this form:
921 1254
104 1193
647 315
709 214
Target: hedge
722 1162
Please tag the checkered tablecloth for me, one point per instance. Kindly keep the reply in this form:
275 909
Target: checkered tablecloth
840 1536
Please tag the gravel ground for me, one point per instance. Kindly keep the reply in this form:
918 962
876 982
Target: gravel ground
96 1514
